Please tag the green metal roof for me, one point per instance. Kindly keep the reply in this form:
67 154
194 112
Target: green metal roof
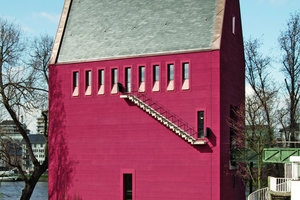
103 29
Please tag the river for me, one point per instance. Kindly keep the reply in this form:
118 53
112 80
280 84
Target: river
13 190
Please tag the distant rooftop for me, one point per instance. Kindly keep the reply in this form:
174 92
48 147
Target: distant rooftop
36 139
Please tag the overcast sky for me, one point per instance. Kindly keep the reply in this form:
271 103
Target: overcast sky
262 19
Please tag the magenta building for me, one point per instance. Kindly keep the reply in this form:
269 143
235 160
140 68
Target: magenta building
140 96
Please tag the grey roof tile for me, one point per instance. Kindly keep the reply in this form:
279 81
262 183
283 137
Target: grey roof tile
119 28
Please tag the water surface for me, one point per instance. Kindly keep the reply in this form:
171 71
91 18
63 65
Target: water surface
13 190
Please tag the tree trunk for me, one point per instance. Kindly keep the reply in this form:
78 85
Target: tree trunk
30 184
27 191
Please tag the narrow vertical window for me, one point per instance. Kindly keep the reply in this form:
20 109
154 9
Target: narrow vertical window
170 85
141 79
155 78
88 82
114 81
128 79
101 81
233 24
200 116
185 76
233 118
127 186
75 84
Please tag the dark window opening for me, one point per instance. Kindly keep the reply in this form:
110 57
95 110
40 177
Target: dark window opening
200 117
127 186
142 74
101 81
88 77
128 79
155 73
101 77
75 84
114 76
170 72
185 69
233 118
75 79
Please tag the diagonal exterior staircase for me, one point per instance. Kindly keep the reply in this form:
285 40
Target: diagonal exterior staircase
166 118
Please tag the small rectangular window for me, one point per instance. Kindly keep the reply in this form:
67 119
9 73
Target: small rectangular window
142 79
114 76
185 76
156 73
128 79
170 72
88 82
75 83
200 116
114 81
155 78
142 74
233 119
185 71
170 85
127 186
233 24
101 81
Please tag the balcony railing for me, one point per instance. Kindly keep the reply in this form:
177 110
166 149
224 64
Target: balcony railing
282 185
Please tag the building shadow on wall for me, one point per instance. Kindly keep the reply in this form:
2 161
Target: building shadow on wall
60 166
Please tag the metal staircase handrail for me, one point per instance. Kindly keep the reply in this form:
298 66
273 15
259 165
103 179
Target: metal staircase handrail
261 194
179 122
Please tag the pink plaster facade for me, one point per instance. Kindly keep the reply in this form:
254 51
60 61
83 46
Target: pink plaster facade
94 139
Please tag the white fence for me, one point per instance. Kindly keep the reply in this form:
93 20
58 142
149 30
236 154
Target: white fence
261 194
280 184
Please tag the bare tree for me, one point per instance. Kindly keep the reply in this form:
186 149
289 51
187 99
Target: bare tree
257 75
255 123
250 138
40 55
21 89
289 41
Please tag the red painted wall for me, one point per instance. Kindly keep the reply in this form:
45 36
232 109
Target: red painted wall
232 71
93 139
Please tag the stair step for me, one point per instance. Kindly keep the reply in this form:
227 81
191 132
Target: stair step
200 142
165 121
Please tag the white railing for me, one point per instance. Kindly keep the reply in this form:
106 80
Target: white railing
261 194
280 184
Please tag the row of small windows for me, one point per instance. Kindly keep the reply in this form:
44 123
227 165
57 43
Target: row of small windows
128 78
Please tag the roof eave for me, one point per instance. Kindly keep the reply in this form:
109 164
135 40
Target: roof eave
216 43
137 56
60 32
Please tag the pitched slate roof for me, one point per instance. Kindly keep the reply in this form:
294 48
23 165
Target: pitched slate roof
96 30
36 139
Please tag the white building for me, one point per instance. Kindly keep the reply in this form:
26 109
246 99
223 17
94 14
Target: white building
38 147
9 128
9 131
40 125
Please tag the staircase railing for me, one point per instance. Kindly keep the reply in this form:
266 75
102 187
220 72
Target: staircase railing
261 194
175 119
